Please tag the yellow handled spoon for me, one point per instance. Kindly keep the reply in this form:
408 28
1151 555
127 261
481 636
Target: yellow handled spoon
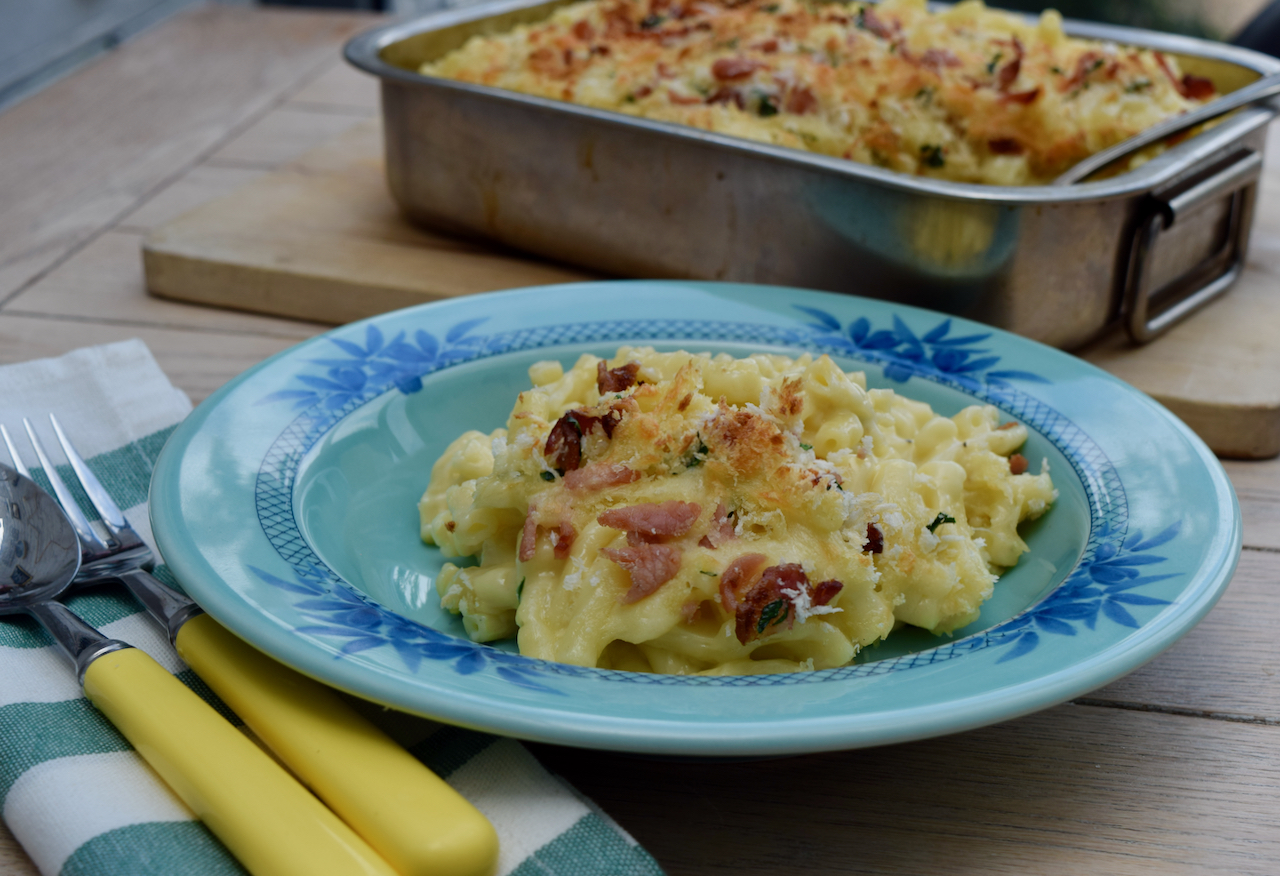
264 817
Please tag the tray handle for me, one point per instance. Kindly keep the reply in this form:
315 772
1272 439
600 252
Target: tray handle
1238 181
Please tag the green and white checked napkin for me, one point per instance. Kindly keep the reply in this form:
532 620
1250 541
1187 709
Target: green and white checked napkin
76 795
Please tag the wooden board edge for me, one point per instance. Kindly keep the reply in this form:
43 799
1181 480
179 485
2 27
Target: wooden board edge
1231 431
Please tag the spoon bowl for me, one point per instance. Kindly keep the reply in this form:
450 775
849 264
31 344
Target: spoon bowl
39 552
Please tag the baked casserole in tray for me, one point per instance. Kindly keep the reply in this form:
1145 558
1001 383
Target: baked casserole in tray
885 150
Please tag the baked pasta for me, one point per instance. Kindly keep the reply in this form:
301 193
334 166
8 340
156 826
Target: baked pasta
966 94
697 514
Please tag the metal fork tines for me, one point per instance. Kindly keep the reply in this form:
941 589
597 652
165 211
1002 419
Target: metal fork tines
100 558
122 554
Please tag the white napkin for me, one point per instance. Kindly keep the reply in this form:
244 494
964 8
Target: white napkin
74 793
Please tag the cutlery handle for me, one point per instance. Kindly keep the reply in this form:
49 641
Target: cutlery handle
267 820
418 823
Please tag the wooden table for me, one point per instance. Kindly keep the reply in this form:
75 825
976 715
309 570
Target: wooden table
1174 769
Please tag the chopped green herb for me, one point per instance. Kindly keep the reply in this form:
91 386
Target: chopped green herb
712 574
1056 69
697 454
932 155
773 614
1138 85
770 8
766 106
941 519
618 395
861 20
650 21
520 589
630 98
548 476
806 446
991 66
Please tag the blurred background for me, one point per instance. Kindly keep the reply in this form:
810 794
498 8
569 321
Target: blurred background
43 40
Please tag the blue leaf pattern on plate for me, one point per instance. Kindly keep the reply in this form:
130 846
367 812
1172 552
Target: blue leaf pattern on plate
906 354
401 362
344 614
1099 586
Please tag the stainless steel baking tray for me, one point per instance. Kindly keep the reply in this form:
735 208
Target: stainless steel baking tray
633 197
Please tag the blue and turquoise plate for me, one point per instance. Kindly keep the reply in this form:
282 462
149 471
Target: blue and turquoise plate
286 504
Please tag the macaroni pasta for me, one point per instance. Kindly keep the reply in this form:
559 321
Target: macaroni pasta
964 93
688 513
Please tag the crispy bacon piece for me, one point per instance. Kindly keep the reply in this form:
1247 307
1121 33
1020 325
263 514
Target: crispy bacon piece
936 59
651 521
1090 61
1018 463
1022 97
562 539
800 101
563 449
1008 73
1168 71
770 601
562 536
825 591
649 565
564 444
555 65
598 475
737 577
683 99
768 46
722 529
725 94
528 537
868 19
1005 146
1196 87
875 540
616 379
735 69
583 31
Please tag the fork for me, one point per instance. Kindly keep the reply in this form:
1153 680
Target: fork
416 821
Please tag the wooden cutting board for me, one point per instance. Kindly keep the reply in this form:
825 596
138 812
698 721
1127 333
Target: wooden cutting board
322 240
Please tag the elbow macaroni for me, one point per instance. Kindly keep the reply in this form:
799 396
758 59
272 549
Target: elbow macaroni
632 529
963 93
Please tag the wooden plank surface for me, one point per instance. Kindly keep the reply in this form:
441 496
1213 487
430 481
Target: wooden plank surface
1073 790
1170 770
321 239
87 149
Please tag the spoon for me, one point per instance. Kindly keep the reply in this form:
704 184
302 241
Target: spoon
39 556
265 818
